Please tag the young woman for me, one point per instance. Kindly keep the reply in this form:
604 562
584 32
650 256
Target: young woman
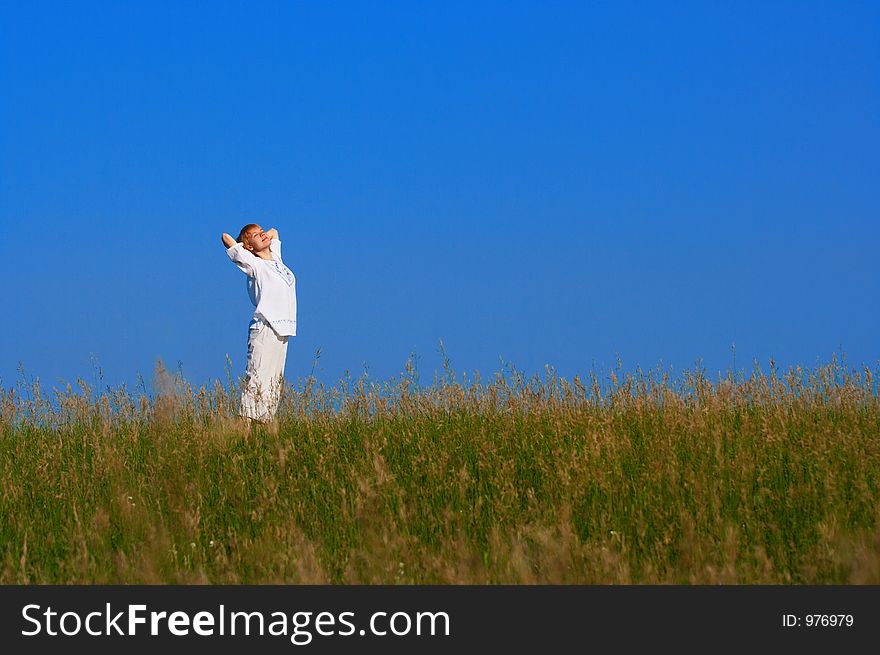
272 289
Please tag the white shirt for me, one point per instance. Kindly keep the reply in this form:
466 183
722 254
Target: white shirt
271 287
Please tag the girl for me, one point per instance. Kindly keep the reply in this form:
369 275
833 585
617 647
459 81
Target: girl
272 289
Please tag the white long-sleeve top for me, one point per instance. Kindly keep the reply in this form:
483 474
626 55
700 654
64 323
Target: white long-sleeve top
271 287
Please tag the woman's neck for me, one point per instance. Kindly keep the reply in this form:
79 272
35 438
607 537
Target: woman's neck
264 254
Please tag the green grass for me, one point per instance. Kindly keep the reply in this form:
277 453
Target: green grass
636 479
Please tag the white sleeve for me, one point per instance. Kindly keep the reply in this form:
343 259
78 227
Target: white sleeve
242 258
275 246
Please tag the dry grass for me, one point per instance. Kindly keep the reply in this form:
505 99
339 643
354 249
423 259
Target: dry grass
632 478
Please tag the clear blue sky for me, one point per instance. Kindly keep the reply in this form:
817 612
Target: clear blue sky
547 183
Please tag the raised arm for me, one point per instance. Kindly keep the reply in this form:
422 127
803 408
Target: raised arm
275 244
240 256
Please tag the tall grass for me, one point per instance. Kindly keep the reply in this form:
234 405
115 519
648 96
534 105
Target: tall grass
619 478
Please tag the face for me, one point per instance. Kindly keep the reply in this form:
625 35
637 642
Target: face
256 239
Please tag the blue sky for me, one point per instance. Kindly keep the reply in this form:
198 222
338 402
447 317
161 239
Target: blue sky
538 183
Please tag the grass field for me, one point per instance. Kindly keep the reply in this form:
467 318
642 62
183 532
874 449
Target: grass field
768 477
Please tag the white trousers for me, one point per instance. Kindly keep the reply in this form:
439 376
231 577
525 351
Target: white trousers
264 378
